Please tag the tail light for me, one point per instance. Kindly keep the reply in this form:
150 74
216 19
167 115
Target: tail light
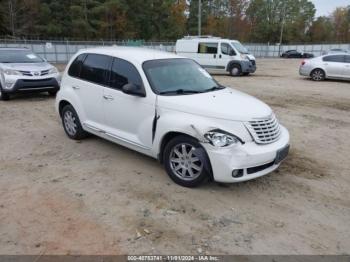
303 62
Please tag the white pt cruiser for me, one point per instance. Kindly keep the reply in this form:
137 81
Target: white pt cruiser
170 108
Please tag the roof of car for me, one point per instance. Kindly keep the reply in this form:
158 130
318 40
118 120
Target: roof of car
133 54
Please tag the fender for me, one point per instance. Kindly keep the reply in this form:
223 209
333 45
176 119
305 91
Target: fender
232 62
63 95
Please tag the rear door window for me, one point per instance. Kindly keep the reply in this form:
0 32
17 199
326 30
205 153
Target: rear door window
208 48
123 73
334 58
95 69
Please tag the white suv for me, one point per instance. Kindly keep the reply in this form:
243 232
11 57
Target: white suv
170 108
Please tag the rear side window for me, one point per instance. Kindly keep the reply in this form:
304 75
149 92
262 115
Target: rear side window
208 48
123 73
334 58
96 68
75 68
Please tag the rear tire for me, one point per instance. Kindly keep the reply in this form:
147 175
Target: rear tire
235 70
71 124
318 75
4 96
186 161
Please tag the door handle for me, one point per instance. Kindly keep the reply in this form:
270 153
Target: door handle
108 97
214 56
220 56
75 87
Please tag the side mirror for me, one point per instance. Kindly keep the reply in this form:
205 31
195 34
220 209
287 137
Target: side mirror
232 53
134 90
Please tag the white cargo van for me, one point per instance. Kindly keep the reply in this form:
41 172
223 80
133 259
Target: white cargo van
217 55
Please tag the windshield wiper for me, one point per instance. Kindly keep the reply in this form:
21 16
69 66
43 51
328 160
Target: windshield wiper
180 91
214 88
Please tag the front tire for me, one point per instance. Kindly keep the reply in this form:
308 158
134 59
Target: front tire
236 70
71 123
318 75
186 161
53 93
4 96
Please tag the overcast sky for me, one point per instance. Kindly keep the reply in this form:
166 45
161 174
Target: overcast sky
325 7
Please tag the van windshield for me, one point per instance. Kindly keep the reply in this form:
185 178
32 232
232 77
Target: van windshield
240 48
178 76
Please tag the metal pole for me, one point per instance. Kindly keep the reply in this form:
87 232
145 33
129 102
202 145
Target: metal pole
282 27
199 17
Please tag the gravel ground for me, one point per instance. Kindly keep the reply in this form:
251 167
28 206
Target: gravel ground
58 196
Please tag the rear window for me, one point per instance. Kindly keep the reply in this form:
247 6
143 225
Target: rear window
334 58
75 68
96 68
208 48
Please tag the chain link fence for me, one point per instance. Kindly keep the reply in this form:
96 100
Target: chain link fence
62 51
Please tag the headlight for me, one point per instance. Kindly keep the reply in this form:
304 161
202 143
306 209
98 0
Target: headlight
53 70
220 138
244 57
12 72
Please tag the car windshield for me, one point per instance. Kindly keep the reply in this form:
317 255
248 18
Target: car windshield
178 76
19 56
240 48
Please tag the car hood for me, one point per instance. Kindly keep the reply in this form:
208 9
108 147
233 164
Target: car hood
227 104
26 66
251 57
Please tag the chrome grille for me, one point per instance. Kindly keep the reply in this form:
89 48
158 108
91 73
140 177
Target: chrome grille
26 73
264 131
45 72
35 73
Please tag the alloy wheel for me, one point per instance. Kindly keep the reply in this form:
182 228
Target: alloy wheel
184 162
317 75
70 123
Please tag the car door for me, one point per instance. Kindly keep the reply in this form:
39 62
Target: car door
346 72
89 88
129 118
334 65
208 55
226 55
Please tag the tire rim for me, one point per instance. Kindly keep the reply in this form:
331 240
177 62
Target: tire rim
184 163
317 75
70 123
235 71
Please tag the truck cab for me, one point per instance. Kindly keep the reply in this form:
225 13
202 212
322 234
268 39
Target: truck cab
217 55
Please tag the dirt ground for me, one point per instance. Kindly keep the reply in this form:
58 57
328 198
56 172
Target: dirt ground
58 196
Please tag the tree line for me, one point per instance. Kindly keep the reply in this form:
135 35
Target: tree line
247 20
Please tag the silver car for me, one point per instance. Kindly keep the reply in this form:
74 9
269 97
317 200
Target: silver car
23 71
334 66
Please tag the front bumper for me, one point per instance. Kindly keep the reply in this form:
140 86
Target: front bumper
255 160
248 66
40 84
